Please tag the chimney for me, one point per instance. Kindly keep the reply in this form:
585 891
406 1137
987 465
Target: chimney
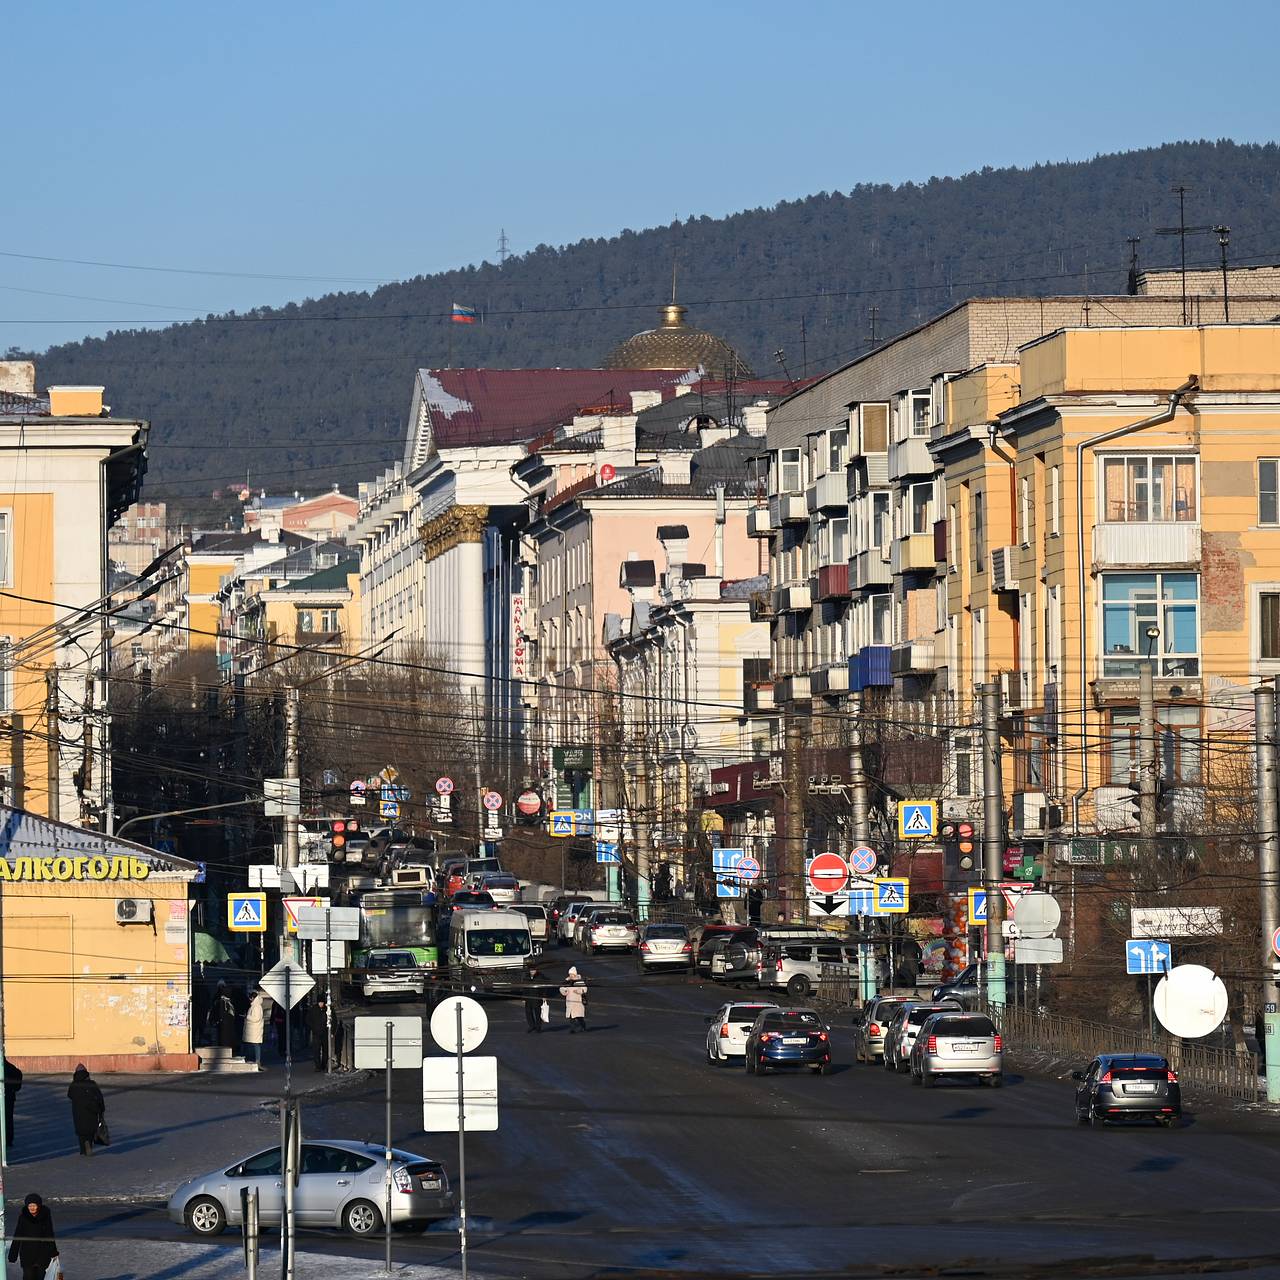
618 436
18 377
712 432
76 402
675 542
644 400
682 388
676 468
754 418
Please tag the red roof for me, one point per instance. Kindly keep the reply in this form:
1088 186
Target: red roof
501 406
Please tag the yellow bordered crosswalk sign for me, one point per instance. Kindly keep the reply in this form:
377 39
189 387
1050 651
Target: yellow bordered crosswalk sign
247 912
917 819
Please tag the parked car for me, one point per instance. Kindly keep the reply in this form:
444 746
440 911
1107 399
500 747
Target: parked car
583 920
870 1025
610 931
392 972
539 921
795 967
905 1025
664 946
711 937
741 958
954 1044
729 1026
963 987
1128 1086
560 904
340 1184
501 886
787 1038
569 919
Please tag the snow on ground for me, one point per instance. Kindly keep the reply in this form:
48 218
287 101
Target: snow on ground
145 1260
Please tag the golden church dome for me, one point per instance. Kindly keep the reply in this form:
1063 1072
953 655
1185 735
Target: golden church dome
676 345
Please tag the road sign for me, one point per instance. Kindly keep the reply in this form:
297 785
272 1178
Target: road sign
1275 942
584 820
827 873
917 819
893 896
863 860
282 797
388 808
396 791
291 906
607 851
724 865
608 473
444 786
335 924
287 983
1147 955
977 906
444 1024
748 869
562 823
247 912
388 773
440 1094
1037 951
862 897
358 788
831 905
1037 915
371 1043
492 801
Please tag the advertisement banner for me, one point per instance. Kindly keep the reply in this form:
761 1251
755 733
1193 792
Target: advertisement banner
519 646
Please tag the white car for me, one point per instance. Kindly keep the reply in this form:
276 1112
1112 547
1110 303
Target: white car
729 1026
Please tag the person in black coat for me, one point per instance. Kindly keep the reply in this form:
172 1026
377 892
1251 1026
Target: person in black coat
12 1083
225 1019
534 996
88 1108
33 1246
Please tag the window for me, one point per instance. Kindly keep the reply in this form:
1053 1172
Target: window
1268 492
263 1165
837 449
1177 745
963 752
979 646
979 532
1024 511
329 619
838 532
1268 627
1145 488
1055 501
921 413
1168 605
921 507
882 619
875 427
789 470
953 539
879 518
306 620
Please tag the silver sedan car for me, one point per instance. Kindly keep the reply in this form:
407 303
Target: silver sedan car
664 946
341 1184
957 1044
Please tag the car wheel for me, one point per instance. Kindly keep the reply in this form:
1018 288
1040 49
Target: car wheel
1096 1120
886 1063
915 1079
1170 1122
996 1081
926 1079
1082 1117
204 1216
900 1067
798 985
362 1218
749 1064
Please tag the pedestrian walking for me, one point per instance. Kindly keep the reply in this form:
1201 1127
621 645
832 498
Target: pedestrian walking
88 1109
33 1247
575 1000
535 998
255 1020
279 1025
12 1083
223 1019
317 1024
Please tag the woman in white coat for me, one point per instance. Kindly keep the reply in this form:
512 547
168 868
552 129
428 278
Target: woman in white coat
255 1021
575 1001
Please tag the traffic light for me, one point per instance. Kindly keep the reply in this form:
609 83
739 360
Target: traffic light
1133 803
965 838
338 831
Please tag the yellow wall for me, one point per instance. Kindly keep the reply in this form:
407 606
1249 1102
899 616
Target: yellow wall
79 985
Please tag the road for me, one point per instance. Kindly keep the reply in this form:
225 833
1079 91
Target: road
623 1150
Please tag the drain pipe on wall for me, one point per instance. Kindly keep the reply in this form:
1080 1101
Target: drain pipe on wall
1165 415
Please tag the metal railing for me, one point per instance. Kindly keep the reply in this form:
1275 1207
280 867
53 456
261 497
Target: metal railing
1231 1073
837 986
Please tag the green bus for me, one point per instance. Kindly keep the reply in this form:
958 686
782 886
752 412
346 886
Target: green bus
398 918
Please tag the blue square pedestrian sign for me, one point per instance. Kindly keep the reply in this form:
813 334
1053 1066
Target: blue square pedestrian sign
893 896
562 823
977 906
607 851
247 912
917 819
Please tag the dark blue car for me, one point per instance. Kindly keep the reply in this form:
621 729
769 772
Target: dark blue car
788 1038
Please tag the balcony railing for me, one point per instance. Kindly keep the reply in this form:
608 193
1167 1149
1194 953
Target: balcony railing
871 569
758 699
758 523
829 680
792 689
912 553
910 457
914 658
1144 545
833 581
869 668
793 598
829 492
317 639
788 508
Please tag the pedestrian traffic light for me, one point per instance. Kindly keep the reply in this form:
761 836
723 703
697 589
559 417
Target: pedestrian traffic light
965 838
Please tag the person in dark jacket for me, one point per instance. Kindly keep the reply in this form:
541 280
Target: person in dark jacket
12 1083
534 996
318 1026
225 1019
88 1108
33 1246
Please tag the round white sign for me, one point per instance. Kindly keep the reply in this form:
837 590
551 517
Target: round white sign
444 786
444 1024
1037 915
1190 1001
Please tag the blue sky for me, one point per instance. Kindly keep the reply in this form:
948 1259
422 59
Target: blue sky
353 143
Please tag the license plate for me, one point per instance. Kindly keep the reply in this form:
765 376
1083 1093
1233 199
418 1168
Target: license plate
1140 1086
429 1184
968 1048
795 1040
615 933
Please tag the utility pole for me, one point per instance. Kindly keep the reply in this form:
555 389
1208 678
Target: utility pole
1268 809
1224 239
292 770
1147 756
53 727
993 841
861 831
475 724
791 871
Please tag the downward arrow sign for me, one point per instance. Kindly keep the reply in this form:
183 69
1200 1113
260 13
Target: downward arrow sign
829 904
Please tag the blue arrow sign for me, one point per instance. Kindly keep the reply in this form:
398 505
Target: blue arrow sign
1147 955
607 851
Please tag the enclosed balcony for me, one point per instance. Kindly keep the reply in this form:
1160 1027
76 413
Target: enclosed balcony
911 457
828 493
758 699
832 581
914 658
869 668
872 569
759 524
793 598
1143 545
788 508
829 680
912 553
792 689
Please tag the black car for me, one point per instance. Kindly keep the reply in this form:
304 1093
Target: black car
964 986
1128 1086
788 1038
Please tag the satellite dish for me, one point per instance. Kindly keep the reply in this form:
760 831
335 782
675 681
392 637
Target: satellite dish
1190 1001
1036 915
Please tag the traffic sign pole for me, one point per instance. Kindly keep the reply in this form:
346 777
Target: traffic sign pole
993 841
1268 810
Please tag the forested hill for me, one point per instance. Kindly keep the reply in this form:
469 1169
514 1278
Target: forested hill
309 393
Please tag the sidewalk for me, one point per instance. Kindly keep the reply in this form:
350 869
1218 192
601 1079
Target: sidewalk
163 1128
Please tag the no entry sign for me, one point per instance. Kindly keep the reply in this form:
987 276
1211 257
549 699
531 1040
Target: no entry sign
828 873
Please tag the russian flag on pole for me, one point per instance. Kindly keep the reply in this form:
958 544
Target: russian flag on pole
464 315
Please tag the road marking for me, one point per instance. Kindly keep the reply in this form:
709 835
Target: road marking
884 1170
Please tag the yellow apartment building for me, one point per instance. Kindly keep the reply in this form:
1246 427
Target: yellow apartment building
1113 498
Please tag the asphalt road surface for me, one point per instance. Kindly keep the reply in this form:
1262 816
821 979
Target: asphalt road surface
624 1151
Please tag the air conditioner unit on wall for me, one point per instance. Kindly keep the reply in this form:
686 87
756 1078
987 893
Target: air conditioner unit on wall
134 910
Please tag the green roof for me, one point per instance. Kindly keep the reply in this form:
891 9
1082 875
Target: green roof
332 579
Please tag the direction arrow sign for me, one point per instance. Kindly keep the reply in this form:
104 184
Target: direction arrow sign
828 873
287 983
607 852
863 860
831 905
1147 955
247 912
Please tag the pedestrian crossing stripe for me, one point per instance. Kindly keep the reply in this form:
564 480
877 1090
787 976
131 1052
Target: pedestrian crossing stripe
893 896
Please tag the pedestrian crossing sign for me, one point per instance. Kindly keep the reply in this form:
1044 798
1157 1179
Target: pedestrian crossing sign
562 823
917 819
247 912
977 906
893 896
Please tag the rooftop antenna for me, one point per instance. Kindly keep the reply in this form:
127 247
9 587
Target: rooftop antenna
1224 239
781 357
1182 231
503 252
875 315
1133 242
673 277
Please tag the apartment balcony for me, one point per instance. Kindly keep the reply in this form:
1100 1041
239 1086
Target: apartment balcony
792 599
759 524
829 680
1004 568
872 569
828 493
787 508
792 689
832 581
317 639
940 541
912 554
1140 545
869 668
911 457
914 658
760 606
758 700
874 470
